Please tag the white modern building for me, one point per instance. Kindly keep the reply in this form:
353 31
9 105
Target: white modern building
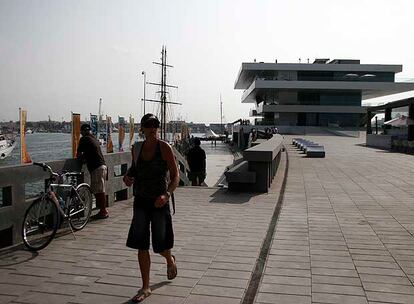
325 93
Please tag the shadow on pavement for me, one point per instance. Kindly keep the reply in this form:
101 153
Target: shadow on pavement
153 287
16 257
227 197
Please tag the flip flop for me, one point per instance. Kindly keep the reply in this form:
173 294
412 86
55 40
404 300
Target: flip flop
172 270
141 295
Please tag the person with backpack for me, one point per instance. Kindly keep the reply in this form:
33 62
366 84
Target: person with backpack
154 175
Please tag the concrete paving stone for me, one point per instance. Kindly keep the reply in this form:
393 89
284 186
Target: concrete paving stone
408 270
18 279
368 252
337 289
380 271
273 298
190 273
164 288
202 247
236 253
253 250
228 274
114 290
98 264
59 257
105 258
289 265
287 280
225 282
202 299
10 289
133 281
193 258
335 272
379 258
43 298
288 272
335 265
390 297
87 298
289 252
379 264
231 266
35 271
336 280
220 291
288 258
387 279
84 271
200 253
338 298
7 299
59 288
330 258
233 259
381 287
343 253
285 289
192 266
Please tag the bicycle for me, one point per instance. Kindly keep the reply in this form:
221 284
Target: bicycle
43 217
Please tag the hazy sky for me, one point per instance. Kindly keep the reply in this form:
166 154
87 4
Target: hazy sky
62 56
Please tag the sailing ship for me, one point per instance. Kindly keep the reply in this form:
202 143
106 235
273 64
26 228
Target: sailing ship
6 146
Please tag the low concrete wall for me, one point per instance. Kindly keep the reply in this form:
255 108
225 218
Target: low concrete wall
13 180
263 160
379 141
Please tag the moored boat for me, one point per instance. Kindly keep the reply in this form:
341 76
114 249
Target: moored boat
6 146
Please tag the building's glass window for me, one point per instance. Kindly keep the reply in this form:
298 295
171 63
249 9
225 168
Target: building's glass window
346 76
329 98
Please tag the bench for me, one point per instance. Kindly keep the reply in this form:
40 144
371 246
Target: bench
315 151
311 148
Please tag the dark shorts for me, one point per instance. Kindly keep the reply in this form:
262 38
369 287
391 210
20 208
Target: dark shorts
147 216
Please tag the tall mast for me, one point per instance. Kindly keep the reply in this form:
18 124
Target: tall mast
221 115
99 111
163 98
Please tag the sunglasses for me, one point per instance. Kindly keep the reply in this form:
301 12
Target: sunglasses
151 124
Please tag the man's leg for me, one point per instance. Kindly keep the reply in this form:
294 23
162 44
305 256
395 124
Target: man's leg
144 261
101 203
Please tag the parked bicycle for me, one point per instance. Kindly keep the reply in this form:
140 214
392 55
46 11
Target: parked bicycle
62 199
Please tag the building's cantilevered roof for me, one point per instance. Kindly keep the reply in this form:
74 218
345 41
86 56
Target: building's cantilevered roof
249 71
368 89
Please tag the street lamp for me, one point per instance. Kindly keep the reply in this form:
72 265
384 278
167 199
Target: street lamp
145 82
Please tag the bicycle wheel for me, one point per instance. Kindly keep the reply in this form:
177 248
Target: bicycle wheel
40 224
80 209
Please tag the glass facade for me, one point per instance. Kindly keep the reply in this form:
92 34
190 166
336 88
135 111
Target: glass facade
329 98
346 76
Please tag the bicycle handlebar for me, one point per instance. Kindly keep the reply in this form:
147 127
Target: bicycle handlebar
48 168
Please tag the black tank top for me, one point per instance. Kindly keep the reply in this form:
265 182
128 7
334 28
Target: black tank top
151 178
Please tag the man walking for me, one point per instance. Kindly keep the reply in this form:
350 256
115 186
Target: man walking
90 152
196 158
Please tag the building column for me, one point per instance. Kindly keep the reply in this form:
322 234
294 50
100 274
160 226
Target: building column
410 135
369 129
387 118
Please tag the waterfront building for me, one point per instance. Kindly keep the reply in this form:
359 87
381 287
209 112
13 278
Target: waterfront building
325 93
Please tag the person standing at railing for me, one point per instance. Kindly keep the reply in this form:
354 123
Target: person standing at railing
89 151
152 161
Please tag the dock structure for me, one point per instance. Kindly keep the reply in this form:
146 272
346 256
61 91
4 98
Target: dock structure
338 229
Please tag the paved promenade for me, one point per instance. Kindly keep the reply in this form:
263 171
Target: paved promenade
344 235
